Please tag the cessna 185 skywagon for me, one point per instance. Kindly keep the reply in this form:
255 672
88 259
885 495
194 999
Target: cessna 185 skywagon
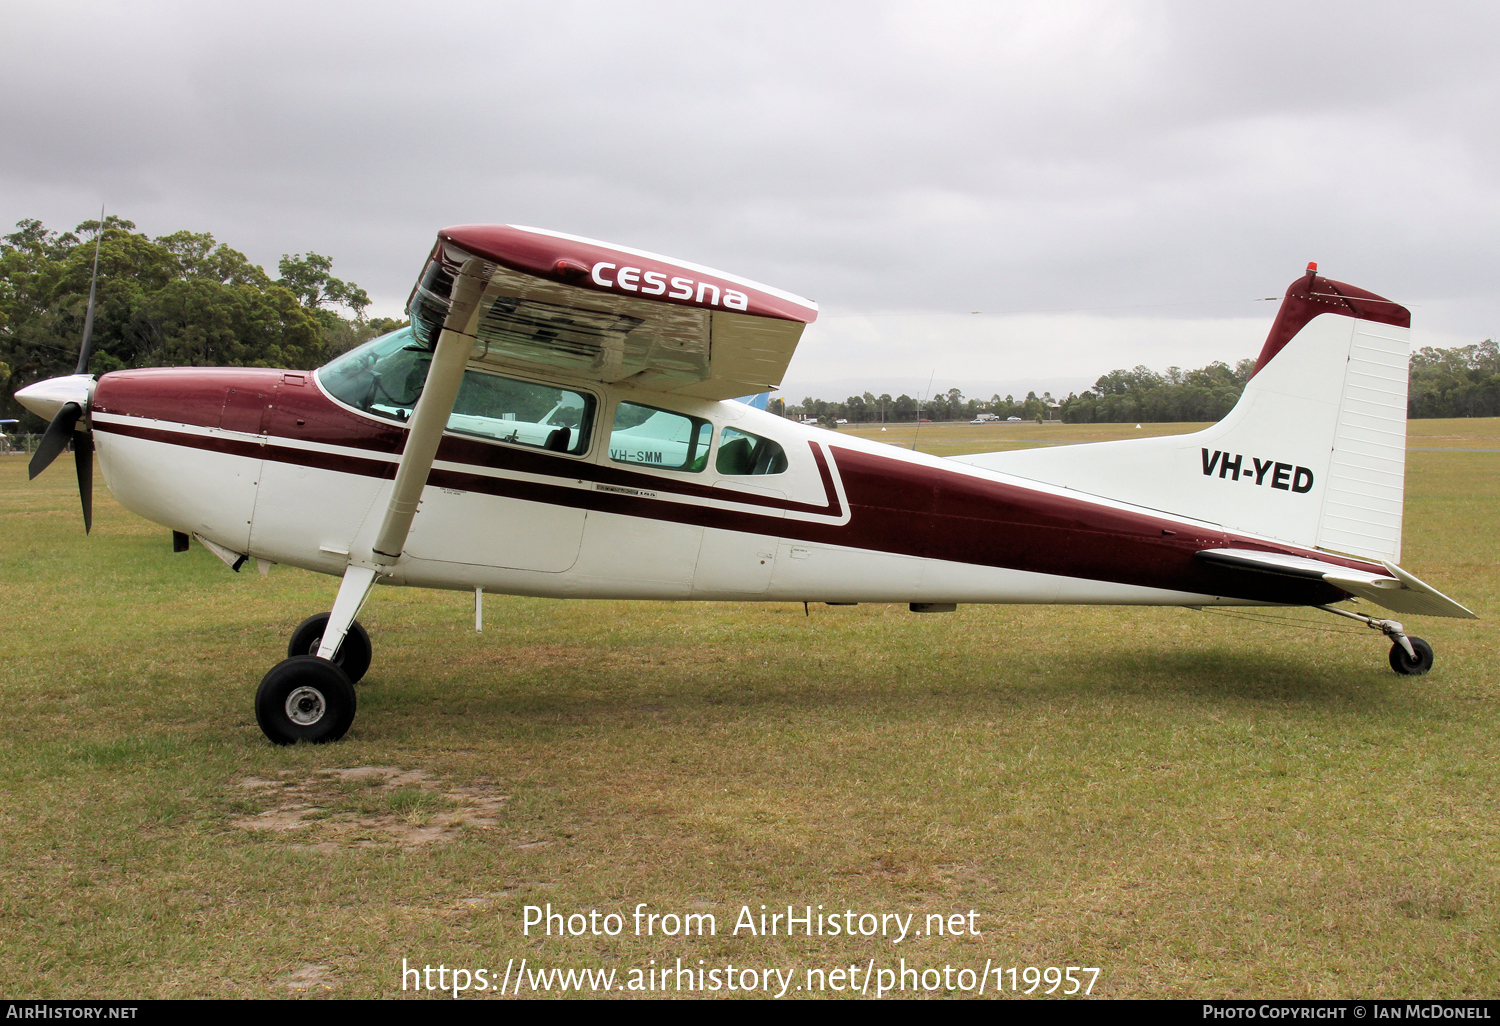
557 421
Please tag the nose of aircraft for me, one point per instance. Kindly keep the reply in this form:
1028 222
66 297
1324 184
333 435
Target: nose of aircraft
64 402
157 457
47 398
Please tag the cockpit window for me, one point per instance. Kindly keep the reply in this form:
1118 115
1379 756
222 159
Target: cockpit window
659 438
385 378
740 452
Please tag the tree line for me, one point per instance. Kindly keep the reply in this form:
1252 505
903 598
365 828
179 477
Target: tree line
182 299
1459 382
950 405
1140 394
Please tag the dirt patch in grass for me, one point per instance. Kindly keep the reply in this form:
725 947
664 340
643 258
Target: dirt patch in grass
308 978
369 806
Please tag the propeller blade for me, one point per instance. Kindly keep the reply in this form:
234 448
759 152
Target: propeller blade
56 438
88 318
83 462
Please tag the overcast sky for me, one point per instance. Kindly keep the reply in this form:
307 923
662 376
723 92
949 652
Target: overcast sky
1106 184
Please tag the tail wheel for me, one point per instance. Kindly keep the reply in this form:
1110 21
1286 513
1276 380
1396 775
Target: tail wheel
304 698
1405 664
353 655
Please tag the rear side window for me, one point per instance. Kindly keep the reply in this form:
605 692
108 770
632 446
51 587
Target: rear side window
742 453
659 438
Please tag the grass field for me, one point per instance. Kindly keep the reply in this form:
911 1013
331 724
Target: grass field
1196 804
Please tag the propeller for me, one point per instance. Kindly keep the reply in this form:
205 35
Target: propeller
64 425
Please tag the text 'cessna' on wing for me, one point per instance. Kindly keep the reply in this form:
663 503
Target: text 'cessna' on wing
1285 476
654 283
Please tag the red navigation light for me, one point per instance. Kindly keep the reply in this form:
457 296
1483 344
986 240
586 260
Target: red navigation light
1312 267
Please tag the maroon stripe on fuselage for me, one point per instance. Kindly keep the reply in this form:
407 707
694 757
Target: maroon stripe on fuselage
895 506
269 450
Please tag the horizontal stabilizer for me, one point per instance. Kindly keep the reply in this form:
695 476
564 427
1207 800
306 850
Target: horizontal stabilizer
1395 589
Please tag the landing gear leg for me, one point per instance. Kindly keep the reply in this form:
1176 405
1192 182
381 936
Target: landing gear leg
358 580
1410 657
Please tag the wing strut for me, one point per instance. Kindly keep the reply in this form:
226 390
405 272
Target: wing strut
428 420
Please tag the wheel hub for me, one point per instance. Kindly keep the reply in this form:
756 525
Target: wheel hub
305 706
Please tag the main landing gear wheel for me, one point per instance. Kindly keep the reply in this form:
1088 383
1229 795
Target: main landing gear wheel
353 656
304 698
1405 664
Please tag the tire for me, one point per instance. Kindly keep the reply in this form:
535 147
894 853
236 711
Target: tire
304 698
353 656
1403 663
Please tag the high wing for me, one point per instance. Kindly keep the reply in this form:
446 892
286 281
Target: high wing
1397 590
555 303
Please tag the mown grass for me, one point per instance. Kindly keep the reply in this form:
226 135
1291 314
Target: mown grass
1197 804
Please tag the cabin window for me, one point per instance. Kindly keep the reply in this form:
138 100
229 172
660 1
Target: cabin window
385 378
659 438
740 452
522 413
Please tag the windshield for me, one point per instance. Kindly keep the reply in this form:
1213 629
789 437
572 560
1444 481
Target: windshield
385 378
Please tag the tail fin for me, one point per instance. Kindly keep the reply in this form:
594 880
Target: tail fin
1314 453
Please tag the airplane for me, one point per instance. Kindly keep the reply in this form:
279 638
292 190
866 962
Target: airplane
559 419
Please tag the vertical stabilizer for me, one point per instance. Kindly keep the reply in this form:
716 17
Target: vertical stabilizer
1314 453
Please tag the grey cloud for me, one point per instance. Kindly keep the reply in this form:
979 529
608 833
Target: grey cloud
875 157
